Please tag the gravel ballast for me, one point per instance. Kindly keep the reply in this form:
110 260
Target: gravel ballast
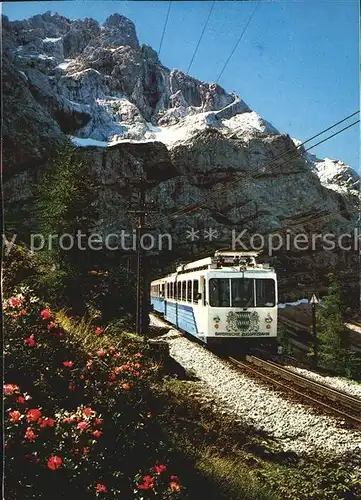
350 387
297 427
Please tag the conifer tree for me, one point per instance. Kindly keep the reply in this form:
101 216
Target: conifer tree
332 332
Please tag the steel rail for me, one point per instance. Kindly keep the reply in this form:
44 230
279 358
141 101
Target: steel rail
325 391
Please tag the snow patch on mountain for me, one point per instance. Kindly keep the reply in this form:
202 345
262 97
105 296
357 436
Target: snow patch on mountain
81 142
51 40
333 174
108 89
65 65
249 123
336 175
122 113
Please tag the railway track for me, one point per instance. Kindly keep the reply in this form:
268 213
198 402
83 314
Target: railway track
316 394
347 407
355 323
297 330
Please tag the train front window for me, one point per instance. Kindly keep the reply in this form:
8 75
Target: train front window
265 293
242 292
219 292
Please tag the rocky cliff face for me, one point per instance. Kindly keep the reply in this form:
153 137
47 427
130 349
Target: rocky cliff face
97 85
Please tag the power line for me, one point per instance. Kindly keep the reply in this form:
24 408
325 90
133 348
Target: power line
200 38
290 155
239 40
165 27
333 135
329 128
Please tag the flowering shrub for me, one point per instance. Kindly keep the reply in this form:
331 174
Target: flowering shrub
62 440
77 414
157 482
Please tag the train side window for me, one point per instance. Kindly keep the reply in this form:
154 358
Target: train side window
167 290
184 291
189 291
162 290
204 292
179 290
195 291
219 292
170 290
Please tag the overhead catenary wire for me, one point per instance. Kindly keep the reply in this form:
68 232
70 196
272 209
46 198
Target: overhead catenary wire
331 127
333 135
239 40
290 153
164 27
324 130
201 37
317 218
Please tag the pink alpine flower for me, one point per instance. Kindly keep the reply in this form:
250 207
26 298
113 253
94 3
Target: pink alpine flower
160 468
9 389
14 301
30 434
83 425
55 462
88 412
45 314
148 483
101 488
30 342
33 415
15 416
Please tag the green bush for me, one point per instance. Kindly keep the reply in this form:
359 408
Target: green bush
78 409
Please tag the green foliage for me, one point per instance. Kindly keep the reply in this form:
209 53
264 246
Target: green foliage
81 279
353 365
332 337
19 266
66 206
321 478
78 409
66 194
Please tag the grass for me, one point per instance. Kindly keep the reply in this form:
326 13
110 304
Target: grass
216 456
223 458
243 463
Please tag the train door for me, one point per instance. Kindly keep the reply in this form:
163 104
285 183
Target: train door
202 309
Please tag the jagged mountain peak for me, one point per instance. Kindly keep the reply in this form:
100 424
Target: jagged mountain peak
101 87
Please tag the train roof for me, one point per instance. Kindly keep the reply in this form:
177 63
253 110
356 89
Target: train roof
224 259
243 261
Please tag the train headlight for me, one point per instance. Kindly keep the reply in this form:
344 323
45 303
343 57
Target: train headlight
268 326
268 318
216 320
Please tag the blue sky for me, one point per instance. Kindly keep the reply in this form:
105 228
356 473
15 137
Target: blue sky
297 64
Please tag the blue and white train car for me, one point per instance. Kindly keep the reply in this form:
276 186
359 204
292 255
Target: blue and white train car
226 296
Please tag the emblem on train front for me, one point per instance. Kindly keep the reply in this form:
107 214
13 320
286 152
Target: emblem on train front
243 322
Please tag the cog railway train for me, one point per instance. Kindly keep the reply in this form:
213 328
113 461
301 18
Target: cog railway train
226 296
